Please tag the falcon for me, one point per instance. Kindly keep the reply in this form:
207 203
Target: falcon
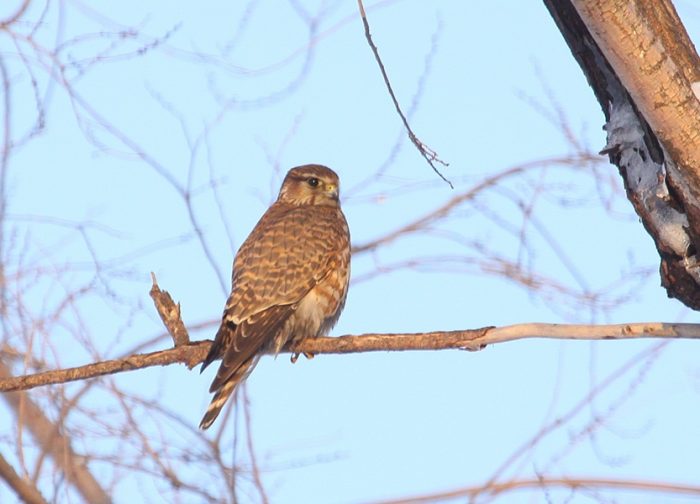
290 280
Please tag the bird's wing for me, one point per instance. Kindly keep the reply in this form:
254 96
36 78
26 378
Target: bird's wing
247 339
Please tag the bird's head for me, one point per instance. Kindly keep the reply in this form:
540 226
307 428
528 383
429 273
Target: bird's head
310 185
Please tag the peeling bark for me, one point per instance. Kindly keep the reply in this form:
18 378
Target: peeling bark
642 67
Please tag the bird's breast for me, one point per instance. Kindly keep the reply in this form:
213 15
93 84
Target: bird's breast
319 310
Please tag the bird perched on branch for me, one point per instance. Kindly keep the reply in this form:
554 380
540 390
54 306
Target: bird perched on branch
290 279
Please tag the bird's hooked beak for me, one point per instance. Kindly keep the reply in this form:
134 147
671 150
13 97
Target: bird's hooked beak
332 191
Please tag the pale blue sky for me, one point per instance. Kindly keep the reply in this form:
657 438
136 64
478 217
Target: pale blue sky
355 428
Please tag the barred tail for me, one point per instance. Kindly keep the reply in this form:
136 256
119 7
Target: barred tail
217 403
225 390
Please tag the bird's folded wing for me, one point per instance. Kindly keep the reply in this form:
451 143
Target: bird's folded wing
249 338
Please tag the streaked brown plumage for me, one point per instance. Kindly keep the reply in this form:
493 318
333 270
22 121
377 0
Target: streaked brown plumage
290 279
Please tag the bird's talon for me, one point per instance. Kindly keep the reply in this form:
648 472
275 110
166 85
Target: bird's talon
309 355
294 357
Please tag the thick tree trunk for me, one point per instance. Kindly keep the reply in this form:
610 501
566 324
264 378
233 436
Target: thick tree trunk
642 65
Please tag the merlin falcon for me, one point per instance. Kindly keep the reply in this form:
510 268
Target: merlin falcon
290 279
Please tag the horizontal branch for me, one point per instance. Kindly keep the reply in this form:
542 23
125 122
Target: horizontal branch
542 483
192 354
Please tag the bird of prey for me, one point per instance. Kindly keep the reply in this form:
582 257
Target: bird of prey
290 279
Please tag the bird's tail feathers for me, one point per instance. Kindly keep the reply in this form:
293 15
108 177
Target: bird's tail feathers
225 391
217 403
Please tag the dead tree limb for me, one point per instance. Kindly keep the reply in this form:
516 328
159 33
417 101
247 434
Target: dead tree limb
469 339
169 313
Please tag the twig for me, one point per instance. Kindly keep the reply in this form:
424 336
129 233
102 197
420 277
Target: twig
429 154
569 414
434 215
251 450
442 211
5 23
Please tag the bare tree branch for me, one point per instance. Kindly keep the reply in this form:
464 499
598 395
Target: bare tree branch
27 492
52 441
570 483
642 359
14 16
421 223
191 355
467 339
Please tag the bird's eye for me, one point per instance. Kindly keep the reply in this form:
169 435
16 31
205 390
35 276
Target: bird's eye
313 181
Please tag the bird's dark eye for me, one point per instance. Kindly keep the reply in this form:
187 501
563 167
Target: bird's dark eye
313 181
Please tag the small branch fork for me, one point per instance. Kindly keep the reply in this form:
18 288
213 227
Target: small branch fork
193 353
429 154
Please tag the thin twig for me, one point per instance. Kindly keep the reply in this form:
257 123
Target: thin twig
257 480
429 154
15 15
553 425
434 215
